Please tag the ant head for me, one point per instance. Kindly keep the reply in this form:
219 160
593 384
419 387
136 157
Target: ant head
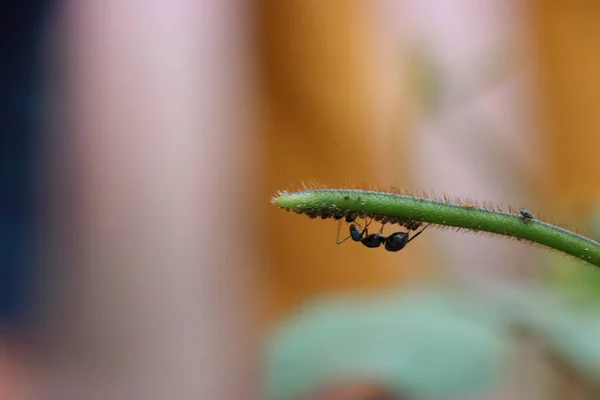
355 233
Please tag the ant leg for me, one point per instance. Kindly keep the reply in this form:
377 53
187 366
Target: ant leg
381 230
338 234
365 231
417 234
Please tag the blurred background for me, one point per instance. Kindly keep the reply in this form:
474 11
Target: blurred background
141 142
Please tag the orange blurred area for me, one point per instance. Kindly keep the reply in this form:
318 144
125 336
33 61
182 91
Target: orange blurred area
328 118
566 37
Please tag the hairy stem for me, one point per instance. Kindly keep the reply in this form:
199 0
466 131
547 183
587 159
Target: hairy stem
325 202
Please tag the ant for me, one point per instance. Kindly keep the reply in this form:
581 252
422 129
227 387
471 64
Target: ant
395 242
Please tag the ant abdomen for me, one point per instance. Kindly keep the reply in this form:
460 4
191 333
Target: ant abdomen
396 241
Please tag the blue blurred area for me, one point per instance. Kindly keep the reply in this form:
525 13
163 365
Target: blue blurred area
21 30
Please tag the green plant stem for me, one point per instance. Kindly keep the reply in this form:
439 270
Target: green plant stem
371 204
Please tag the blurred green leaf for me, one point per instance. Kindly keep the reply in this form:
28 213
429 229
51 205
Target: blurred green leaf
420 343
581 281
570 328
428 342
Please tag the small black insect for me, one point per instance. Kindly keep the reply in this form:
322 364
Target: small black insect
339 215
412 225
351 217
347 215
385 219
526 214
312 214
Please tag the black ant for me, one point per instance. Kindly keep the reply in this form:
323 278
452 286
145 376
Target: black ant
395 242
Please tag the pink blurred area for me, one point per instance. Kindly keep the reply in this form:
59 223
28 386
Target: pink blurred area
151 283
